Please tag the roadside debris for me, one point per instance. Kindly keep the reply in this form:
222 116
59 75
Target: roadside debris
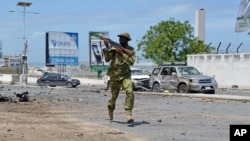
1 88
23 97
5 98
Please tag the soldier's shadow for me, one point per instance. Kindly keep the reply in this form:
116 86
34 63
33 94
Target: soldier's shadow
133 124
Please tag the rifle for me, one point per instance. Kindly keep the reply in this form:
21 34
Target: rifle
112 43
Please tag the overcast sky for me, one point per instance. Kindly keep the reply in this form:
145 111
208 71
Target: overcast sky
114 16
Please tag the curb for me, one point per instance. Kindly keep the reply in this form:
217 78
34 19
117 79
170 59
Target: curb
207 96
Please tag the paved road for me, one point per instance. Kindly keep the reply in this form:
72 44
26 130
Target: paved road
170 118
166 117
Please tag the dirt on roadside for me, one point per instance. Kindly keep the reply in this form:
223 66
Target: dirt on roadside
42 120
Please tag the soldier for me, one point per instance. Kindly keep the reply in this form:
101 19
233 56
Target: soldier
120 58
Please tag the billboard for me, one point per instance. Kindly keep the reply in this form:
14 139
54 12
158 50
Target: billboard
96 60
243 16
61 48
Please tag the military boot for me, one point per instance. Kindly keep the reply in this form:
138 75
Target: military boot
129 116
111 113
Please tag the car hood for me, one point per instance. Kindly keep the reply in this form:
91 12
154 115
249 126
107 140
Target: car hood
200 76
140 76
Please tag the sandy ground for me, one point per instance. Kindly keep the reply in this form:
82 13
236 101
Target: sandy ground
45 118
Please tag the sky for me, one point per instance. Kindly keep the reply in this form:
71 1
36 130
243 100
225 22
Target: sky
114 16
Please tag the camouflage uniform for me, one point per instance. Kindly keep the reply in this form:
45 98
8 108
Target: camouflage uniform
120 75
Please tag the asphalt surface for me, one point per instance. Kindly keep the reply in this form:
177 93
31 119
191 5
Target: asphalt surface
158 116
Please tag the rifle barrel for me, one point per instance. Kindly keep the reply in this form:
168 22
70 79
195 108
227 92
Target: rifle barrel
113 43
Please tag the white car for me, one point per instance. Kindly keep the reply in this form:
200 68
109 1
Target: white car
139 77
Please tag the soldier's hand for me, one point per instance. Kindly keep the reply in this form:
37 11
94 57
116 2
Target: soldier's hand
127 51
119 50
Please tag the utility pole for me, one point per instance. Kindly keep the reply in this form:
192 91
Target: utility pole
24 75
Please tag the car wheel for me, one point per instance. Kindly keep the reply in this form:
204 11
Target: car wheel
108 86
133 86
69 84
156 88
183 88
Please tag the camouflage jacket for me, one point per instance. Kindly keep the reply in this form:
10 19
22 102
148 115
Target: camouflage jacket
119 64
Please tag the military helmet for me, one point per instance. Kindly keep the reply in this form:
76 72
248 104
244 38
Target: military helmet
125 35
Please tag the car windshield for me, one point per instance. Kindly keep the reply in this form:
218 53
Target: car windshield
66 77
188 71
137 72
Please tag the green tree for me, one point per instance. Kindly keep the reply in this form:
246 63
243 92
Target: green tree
170 41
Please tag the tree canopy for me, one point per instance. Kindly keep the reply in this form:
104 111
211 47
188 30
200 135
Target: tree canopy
170 41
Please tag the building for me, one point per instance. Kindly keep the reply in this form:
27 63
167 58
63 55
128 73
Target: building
11 61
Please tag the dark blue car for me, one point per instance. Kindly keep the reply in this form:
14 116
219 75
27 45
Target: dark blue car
56 79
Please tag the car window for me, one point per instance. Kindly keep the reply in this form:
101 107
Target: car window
65 77
45 77
165 71
156 71
49 76
188 71
137 72
53 77
172 70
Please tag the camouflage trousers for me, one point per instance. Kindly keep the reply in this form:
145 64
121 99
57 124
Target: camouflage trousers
115 86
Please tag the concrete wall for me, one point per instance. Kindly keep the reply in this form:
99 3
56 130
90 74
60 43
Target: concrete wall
228 69
6 78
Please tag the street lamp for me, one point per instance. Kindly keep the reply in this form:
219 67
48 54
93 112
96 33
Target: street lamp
23 77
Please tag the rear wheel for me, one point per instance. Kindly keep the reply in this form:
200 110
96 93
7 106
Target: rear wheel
69 84
133 86
183 88
156 87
